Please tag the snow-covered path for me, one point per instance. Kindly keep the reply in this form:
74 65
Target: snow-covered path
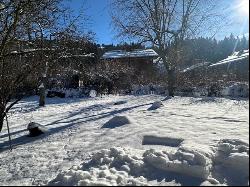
75 130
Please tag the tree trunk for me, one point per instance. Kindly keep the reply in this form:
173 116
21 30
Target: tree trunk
42 95
1 121
171 82
170 77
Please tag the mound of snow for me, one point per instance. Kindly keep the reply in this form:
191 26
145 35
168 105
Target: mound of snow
167 141
183 161
106 167
119 167
116 121
233 154
156 105
231 162
199 92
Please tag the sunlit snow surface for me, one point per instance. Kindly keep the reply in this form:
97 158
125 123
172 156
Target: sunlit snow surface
211 137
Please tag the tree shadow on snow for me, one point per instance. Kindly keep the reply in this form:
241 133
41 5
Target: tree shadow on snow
22 140
94 117
25 139
32 103
92 108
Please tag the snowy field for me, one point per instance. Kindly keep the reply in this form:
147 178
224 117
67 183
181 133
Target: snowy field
187 141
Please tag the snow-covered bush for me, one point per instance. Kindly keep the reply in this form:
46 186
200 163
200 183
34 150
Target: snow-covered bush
237 90
185 91
199 92
71 93
148 89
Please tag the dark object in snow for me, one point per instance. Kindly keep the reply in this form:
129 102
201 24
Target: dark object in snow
167 98
36 129
167 141
116 121
52 94
120 102
156 105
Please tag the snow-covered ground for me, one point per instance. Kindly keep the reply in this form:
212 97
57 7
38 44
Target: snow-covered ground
183 141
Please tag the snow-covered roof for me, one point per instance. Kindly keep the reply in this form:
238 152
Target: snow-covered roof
133 54
235 57
195 66
90 55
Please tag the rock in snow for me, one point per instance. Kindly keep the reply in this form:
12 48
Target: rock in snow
36 129
156 105
120 102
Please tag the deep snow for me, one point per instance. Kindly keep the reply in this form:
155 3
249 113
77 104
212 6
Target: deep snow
206 142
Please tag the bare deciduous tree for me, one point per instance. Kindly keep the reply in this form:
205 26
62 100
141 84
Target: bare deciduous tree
25 29
165 23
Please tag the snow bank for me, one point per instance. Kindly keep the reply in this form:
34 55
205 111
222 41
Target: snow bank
117 121
126 166
156 105
115 166
233 154
231 162
119 167
183 161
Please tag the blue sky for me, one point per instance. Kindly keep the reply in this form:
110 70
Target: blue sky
100 20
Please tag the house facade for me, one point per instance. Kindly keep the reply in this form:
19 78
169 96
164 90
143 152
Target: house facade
140 60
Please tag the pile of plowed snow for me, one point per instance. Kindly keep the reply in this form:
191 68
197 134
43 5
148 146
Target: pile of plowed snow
120 166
